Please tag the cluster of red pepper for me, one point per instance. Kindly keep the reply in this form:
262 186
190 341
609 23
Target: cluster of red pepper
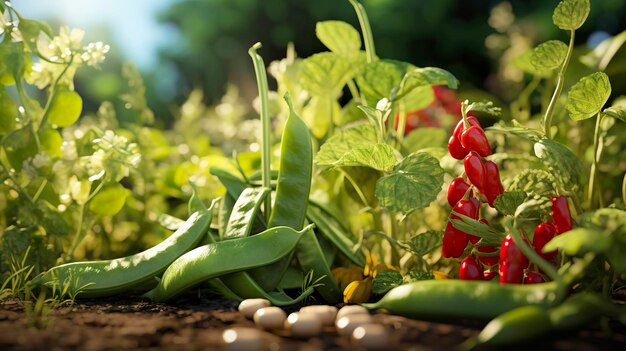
469 143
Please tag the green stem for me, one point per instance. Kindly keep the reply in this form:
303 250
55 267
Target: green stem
40 190
547 119
27 110
78 235
354 91
356 187
401 123
366 30
533 256
524 97
16 186
331 122
53 90
261 79
624 190
594 162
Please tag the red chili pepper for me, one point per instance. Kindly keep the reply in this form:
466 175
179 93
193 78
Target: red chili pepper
544 232
489 275
470 269
475 170
512 262
493 186
456 190
455 148
455 240
474 139
560 214
488 260
533 278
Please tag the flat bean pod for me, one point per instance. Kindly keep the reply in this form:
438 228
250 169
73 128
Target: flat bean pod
292 189
311 258
334 232
445 299
239 226
110 277
214 260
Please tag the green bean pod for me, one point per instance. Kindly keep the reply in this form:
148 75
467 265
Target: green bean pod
239 226
110 277
333 231
517 325
244 211
578 311
445 299
311 258
223 257
292 190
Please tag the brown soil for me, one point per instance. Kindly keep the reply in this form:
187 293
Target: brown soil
192 323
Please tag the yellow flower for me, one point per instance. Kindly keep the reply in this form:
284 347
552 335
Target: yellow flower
358 291
346 275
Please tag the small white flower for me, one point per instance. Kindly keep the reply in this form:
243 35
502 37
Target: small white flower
9 28
94 53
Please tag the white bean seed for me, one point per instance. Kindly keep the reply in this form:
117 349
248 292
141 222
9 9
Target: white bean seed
249 306
244 339
346 325
303 325
270 318
325 313
351 309
371 336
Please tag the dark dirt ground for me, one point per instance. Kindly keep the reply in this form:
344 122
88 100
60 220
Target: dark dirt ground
192 323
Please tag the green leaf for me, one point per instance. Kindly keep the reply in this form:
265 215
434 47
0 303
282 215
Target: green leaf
535 182
488 234
579 241
380 157
588 95
343 142
618 110
8 112
324 74
517 129
571 14
317 114
416 275
418 98
339 37
385 281
548 56
422 138
50 141
379 78
424 77
562 161
414 183
19 145
65 108
109 200
523 62
423 243
600 57
484 107
508 202
30 30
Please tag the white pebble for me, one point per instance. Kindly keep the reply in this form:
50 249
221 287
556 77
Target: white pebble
270 318
346 324
303 325
249 306
351 309
325 313
243 339
371 336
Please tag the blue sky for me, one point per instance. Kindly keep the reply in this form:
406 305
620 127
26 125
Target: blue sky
132 23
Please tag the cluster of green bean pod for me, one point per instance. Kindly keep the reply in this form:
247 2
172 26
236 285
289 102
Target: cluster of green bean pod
250 254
